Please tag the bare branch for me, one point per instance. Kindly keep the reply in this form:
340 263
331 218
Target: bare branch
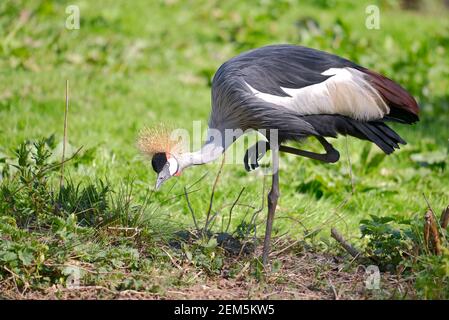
212 194
350 166
262 206
64 141
232 208
198 181
63 162
212 220
346 245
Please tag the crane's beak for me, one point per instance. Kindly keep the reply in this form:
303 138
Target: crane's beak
163 176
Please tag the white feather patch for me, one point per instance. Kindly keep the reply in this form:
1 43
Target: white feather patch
173 165
346 92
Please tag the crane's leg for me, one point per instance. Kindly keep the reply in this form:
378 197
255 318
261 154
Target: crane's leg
273 196
331 155
258 150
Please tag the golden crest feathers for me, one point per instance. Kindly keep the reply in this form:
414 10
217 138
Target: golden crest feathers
158 139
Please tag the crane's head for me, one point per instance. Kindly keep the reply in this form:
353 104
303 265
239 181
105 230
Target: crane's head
164 151
166 166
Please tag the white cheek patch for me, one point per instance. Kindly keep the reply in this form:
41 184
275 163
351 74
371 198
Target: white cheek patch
173 166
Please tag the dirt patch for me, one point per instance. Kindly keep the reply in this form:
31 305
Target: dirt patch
306 275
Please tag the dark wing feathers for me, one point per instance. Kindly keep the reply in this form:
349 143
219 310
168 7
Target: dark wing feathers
383 137
269 68
271 80
371 135
390 133
375 131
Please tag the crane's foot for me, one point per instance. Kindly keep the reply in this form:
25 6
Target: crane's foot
254 154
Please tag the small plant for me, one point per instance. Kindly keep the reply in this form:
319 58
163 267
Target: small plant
407 245
47 230
26 193
432 276
90 203
390 240
205 253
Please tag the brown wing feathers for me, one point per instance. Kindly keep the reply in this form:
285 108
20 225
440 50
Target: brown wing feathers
403 107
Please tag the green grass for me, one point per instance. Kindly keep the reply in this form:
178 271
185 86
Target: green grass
133 64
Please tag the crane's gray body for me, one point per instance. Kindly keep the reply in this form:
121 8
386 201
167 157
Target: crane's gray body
270 70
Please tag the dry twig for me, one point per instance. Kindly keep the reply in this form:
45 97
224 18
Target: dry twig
232 208
64 141
350 166
212 194
336 295
346 245
136 231
172 260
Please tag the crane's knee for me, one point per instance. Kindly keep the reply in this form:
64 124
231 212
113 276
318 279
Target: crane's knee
273 197
333 156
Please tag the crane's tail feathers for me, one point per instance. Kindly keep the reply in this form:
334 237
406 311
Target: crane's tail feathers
403 107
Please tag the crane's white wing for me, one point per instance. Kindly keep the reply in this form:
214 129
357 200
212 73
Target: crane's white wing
346 92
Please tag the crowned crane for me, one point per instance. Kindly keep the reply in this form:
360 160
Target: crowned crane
299 92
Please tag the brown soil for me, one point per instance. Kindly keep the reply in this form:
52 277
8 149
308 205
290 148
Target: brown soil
301 276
